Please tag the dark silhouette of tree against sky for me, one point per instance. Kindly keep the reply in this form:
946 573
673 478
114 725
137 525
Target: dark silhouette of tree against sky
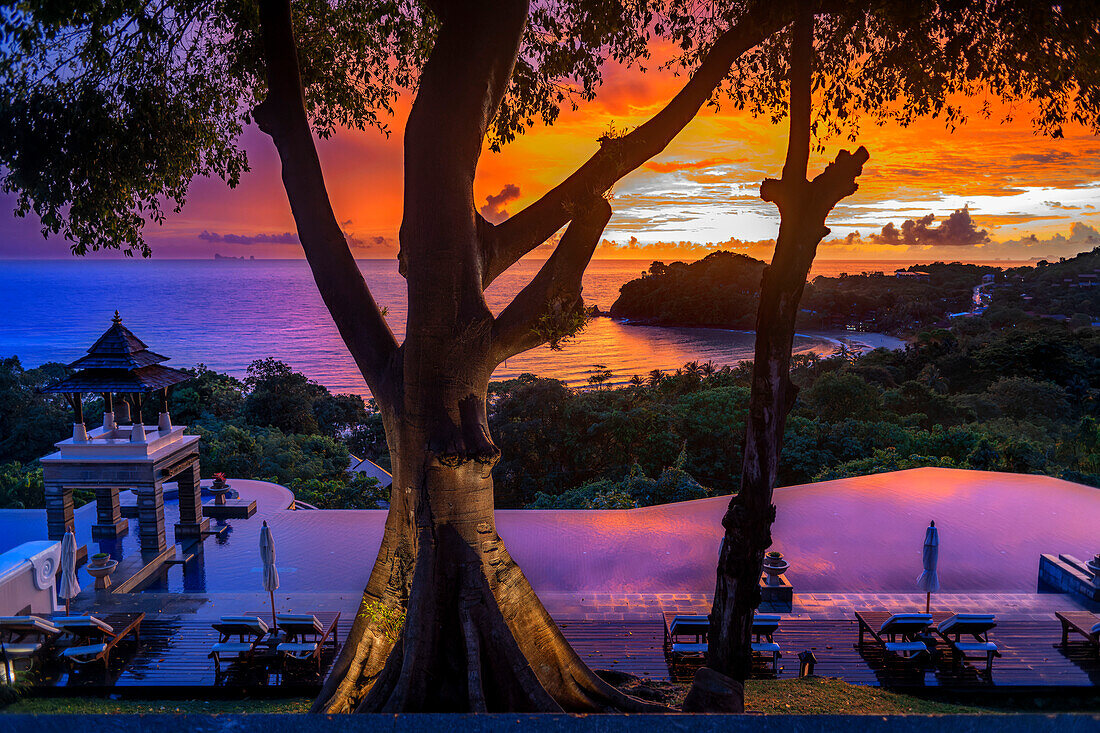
110 111
803 207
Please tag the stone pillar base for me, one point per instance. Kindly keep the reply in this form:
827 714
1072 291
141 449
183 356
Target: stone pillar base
231 509
776 598
191 529
118 528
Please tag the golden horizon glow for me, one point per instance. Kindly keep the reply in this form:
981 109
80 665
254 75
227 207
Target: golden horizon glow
1034 196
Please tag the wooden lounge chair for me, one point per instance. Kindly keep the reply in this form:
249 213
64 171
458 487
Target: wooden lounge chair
305 638
25 637
763 626
976 625
249 630
91 639
686 637
898 634
696 628
1083 623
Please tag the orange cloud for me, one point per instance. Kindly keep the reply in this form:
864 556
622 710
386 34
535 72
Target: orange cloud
687 165
701 193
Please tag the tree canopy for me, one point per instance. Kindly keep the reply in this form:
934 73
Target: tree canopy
111 109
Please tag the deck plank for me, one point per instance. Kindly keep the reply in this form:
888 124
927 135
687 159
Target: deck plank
173 649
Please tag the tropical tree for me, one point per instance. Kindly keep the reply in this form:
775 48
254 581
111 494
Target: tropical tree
803 207
110 110
1070 34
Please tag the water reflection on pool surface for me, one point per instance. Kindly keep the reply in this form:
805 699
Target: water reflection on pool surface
853 535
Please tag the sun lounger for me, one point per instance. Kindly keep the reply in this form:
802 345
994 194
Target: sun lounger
249 630
91 639
977 626
305 638
696 628
1083 623
898 634
25 636
763 626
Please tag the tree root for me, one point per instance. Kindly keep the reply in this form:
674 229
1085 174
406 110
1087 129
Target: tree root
476 638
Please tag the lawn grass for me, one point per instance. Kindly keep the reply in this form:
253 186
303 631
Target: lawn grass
821 695
103 706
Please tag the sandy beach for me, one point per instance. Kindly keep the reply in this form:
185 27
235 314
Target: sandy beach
859 341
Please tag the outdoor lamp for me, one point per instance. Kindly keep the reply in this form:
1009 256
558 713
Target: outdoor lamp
806 662
7 668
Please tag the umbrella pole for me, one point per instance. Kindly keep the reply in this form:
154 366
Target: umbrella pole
928 602
273 625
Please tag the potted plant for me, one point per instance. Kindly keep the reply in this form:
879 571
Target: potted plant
219 488
99 559
774 567
1094 565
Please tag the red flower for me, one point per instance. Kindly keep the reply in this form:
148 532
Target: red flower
219 477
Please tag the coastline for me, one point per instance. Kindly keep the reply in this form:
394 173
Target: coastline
859 341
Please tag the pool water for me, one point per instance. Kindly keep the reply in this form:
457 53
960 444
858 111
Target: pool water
854 535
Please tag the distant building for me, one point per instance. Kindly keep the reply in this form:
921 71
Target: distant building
370 468
911 275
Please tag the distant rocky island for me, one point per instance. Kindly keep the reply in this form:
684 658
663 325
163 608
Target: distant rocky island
242 258
721 291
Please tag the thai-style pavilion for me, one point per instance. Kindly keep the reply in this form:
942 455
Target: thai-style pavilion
123 453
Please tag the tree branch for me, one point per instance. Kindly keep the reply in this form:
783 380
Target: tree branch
556 290
509 241
801 59
282 115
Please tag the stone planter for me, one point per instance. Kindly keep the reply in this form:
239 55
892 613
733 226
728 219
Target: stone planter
774 567
102 573
99 560
1094 566
219 489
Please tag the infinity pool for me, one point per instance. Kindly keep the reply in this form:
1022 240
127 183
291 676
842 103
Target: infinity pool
853 535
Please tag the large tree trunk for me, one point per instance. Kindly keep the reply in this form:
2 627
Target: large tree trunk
475 636
803 207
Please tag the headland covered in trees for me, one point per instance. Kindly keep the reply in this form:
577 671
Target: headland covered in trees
721 291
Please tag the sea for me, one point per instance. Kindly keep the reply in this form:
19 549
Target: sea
226 313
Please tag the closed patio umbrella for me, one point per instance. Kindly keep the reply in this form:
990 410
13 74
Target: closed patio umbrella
69 587
271 574
929 581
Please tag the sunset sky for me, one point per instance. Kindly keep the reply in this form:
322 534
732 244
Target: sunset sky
994 190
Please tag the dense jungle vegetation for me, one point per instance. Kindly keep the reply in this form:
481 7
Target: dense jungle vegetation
275 425
1003 391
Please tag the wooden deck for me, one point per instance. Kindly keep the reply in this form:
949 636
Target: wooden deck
1032 656
171 658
